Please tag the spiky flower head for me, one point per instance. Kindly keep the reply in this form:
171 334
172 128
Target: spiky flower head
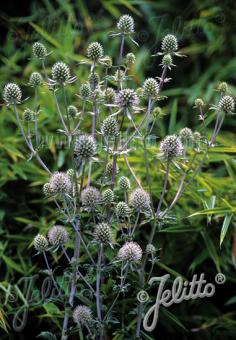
35 79
72 111
130 251
167 60
60 183
124 183
93 81
103 234
109 169
85 147
127 98
95 51
109 127
169 44
47 189
150 249
130 59
106 61
85 91
90 198
223 87
82 315
122 210
126 24
171 147
199 103
227 104
150 87
58 235
98 94
40 243
12 94
28 115
186 135
119 76
60 72
39 50
109 96
139 200
108 197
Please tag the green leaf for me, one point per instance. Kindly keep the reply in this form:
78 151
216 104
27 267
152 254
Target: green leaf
211 250
225 227
9 262
47 335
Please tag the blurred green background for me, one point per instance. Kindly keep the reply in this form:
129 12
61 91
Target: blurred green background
206 33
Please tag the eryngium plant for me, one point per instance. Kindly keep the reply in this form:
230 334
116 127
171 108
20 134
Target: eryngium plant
101 207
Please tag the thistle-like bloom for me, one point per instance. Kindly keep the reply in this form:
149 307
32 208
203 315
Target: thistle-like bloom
90 198
109 96
95 51
60 183
169 44
85 91
58 235
167 61
150 249
47 189
12 94
126 24
171 147
150 88
40 243
107 197
199 103
124 183
85 147
127 98
196 137
60 73
122 210
109 127
227 104
223 87
93 81
139 200
130 59
130 251
82 315
72 111
35 79
103 234
186 135
39 50
28 115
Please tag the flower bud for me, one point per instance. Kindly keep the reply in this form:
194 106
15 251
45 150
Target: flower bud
186 135
58 235
35 79
127 98
130 59
85 147
39 50
122 210
130 251
28 115
124 183
103 234
12 94
40 243
109 96
227 104
169 44
90 198
72 111
108 197
171 147
126 24
150 87
60 72
139 200
95 51
109 127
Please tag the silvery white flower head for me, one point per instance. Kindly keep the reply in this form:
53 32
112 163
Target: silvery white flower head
61 74
60 183
90 198
127 98
82 315
140 200
102 234
130 251
12 94
171 147
58 235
